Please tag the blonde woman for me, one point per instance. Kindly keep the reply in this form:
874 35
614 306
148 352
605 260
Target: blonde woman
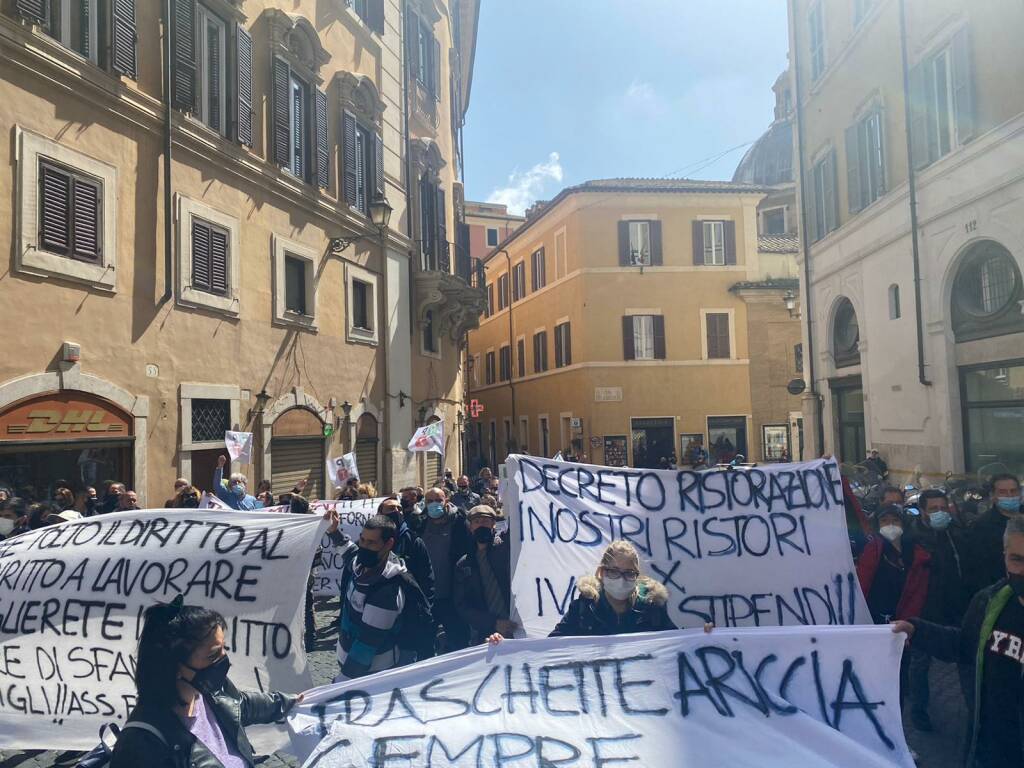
616 600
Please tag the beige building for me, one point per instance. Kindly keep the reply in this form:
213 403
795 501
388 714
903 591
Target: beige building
210 256
632 319
909 128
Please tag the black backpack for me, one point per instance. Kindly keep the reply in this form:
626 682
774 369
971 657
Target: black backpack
99 756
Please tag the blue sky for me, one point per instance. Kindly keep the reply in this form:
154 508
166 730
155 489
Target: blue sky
570 90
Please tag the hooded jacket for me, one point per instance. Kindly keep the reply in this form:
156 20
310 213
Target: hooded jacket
590 614
370 618
233 711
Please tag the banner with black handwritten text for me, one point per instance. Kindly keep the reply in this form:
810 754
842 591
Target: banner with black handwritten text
327 576
773 697
765 546
72 598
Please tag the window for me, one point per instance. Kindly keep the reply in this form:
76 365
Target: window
489 373
429 334
798 357
545 436
640 243
717 335
74 24
299 128
371 12
727 438
294 283
563 345
521 357
502 291
845 335
362 301
70 212
775 442
817 38
643 337
825 216
865 162
424 55
942 101
518 281
492 237
212 71
506 363
894 302
538 269
210 257
210 420
298 125
560 257
714 242
540 351
993 409
490 299
987 293
433 226
773 222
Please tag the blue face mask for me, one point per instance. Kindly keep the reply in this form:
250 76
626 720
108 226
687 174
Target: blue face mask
940 520
238 489
435 509
1009 505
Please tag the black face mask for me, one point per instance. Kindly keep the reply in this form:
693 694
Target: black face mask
408 504
1016 582
484 535
213 677
367 558
396 518
463 488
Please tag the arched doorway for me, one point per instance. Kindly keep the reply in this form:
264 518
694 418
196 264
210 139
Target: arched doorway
70 436
367 444
297 452
847 390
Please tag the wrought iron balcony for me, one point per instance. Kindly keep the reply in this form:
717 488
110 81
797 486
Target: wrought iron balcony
456 298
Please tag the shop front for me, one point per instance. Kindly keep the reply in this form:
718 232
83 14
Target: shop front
71 437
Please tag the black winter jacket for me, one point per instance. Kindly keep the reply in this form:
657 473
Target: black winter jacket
233 709
468 589
590 615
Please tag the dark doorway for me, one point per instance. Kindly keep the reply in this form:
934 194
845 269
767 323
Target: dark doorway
653 440
848 410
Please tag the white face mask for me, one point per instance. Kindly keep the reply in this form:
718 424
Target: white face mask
6 526
619 589
891 532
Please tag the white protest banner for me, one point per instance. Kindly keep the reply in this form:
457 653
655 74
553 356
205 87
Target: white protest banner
748 547
210 501
341 469
770 697
72 598
239 445
428 438
353 514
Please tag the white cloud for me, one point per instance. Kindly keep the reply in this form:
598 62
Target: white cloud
525 187
641 97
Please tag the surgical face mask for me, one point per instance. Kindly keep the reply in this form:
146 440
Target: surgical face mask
940 520
619 589
6 526
435 510
213 677
891 532
238 489
1011 504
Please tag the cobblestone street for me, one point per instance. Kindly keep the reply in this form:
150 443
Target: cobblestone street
939 749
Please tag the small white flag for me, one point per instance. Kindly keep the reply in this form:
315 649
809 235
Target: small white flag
209 501
341 469
239 446
557 457
428 438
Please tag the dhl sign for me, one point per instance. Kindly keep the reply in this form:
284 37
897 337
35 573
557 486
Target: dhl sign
62 415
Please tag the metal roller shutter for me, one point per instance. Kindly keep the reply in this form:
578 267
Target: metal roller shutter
366 460
297 458
433 470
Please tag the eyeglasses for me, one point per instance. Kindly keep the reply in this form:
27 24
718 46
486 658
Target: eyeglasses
615 573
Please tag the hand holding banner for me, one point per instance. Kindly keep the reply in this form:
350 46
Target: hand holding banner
776 697
239 445
341 469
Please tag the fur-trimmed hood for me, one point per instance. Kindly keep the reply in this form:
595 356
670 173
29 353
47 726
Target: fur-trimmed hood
648 590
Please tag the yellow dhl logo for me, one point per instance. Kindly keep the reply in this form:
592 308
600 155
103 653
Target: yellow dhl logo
44 422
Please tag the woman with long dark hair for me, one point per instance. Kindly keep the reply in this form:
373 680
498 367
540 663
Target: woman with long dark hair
189 714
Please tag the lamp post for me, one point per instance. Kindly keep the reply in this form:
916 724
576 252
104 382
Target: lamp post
789 299
346 424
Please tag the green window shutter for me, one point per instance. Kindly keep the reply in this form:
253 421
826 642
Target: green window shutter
183 53
200 255
624 260
963 85
243 86
350 163
123 38
655 230
323 159
54 209
698 246
86 219
853 181
729 232
628 346
33 10
281 128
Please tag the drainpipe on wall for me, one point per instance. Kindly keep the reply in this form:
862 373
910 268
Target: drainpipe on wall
912 188
804 241
168 199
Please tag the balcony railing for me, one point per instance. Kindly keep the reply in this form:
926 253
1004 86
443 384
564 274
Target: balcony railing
439 259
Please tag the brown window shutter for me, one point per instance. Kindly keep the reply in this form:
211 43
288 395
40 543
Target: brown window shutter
521 355
323 159
698 242
559 360
33 10
656 257
85 220
718 336
281 127
624 260
183 52
729 227
200 256
123 38
54 210
628 347
219 262
243 86
659 337
567 351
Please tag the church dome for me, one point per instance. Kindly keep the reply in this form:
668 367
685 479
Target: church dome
769 161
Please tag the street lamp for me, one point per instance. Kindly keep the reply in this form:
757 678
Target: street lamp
380 217
789 299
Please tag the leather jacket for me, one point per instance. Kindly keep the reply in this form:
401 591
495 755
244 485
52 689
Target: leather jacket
233 710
